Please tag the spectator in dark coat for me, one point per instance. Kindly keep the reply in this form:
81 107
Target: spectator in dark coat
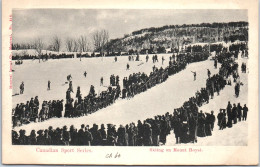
81 135
239 112
212 120
74 136
40 138
87 136
208 125
245 110
201 125
103 133
234 113
32 138
66 136
147 135
176 127
97 138
121 133
139 138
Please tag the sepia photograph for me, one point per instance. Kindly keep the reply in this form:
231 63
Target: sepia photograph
158 80
129 77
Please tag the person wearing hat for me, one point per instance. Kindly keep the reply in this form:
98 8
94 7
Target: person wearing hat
59 108
212 120
229 114
36 101
208 125
22 88
31 105
131 135
51 132
40 138
234 113
55 137
111 135
245 110
121 134
97 138
103 134
201 124
23 139
81 135
239 112
87 137
73 135
65 136
32 138
147 134
47 138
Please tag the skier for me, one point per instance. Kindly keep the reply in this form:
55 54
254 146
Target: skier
85 74
115 59
147 58
101 81
70 86
237 89
156 58
154 68
117 80
22 88
209 73
162 60
49 85
215 63
78 92
127 66
194 75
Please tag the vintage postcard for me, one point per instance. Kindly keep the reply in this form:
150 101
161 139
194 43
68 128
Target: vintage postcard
130 83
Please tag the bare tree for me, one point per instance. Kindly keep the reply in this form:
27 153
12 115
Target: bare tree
69 44
38 46
100 40
56 42
75 47
83 43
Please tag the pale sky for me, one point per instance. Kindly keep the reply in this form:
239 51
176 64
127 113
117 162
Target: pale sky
29 24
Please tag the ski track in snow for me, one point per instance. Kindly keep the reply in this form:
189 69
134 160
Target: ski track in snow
155 101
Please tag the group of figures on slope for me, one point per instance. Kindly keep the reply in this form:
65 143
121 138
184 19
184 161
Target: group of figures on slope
135 84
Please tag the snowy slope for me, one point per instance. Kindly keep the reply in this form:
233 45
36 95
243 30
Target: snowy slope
235 136
158 100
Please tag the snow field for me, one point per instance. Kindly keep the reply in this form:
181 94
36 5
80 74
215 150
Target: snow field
158 100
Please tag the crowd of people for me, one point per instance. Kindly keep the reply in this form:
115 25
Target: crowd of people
231 115
187 122
18 62
132 85
42 56
29 112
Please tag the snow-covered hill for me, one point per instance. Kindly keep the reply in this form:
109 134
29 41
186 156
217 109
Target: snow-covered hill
157 100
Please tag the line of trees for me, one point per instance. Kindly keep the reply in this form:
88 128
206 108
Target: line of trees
81 44
169 36
213 25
